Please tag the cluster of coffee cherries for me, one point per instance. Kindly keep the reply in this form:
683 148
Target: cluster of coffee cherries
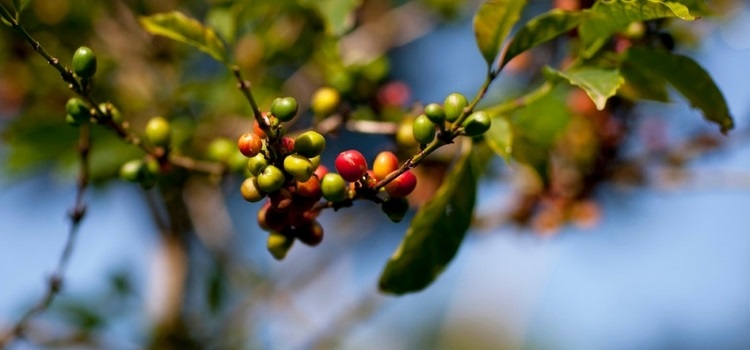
77 111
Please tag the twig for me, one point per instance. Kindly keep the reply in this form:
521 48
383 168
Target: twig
77 212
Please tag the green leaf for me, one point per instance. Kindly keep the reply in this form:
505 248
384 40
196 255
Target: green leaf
492 24
642 85
437 230
19 5
698 6
599 83
500 137
337 15
609 17
687 77
541 29
177 26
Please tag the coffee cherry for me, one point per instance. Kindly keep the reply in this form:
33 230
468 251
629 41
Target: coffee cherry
221 149
454 105
309 188
396 208
402 186
299 167
281 200
72 121
270 179
384 164
325 101
351 165
320 171
256 164
315 162
287 145
311 234
278 245
423 129
435 113
333 187
284 108
258 130
84 62
250 144
250 191
158 132
109 109
309 144
405 134
131 171
477 123
77 110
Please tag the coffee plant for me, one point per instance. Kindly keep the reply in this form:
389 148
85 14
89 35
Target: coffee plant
277 83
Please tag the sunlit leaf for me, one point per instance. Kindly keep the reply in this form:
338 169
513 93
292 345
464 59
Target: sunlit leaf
609 17
177 26
338 15
599 83
541 29
437 229
492 24
500 137
687 77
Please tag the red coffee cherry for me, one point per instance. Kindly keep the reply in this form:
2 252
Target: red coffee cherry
320 171
384 164
250 144
402 186
271 220
311 234
309 188
258 130
351 165
287 145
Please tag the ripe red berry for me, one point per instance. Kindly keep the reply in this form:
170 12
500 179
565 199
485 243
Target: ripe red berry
287 145
351 165
384 164
258 130
250 144
402 186
309 188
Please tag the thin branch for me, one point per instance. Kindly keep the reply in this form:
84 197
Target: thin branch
77 212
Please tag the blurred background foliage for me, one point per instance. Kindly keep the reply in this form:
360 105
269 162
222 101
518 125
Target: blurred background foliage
562 149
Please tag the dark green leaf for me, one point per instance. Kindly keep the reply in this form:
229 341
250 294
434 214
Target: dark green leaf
437 229
19 5
177 26
599 83
492 24
338 15
689 78
642 84
541 29
500 137
609 17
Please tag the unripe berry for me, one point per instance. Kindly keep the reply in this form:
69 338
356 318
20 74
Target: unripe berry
109 109
435 113
333 187
299 167
284 108
396 208
325 101
77 110
250 191
423 130
454 105
250 144
384 164
405 134
158 132
221 149
315 162
256 164
351 165
84 62
278 245
402 186
131 171
477 123
310 144
270 179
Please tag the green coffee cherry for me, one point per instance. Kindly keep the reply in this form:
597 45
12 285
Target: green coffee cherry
78 111
109 109
325 101
395 208
158 132
423 129
284 108
315 162
454 105
250 191
84 62
278 245
435 113
270 179
309 144
256 164
333 187
477 123
131 171
299 167
221 149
